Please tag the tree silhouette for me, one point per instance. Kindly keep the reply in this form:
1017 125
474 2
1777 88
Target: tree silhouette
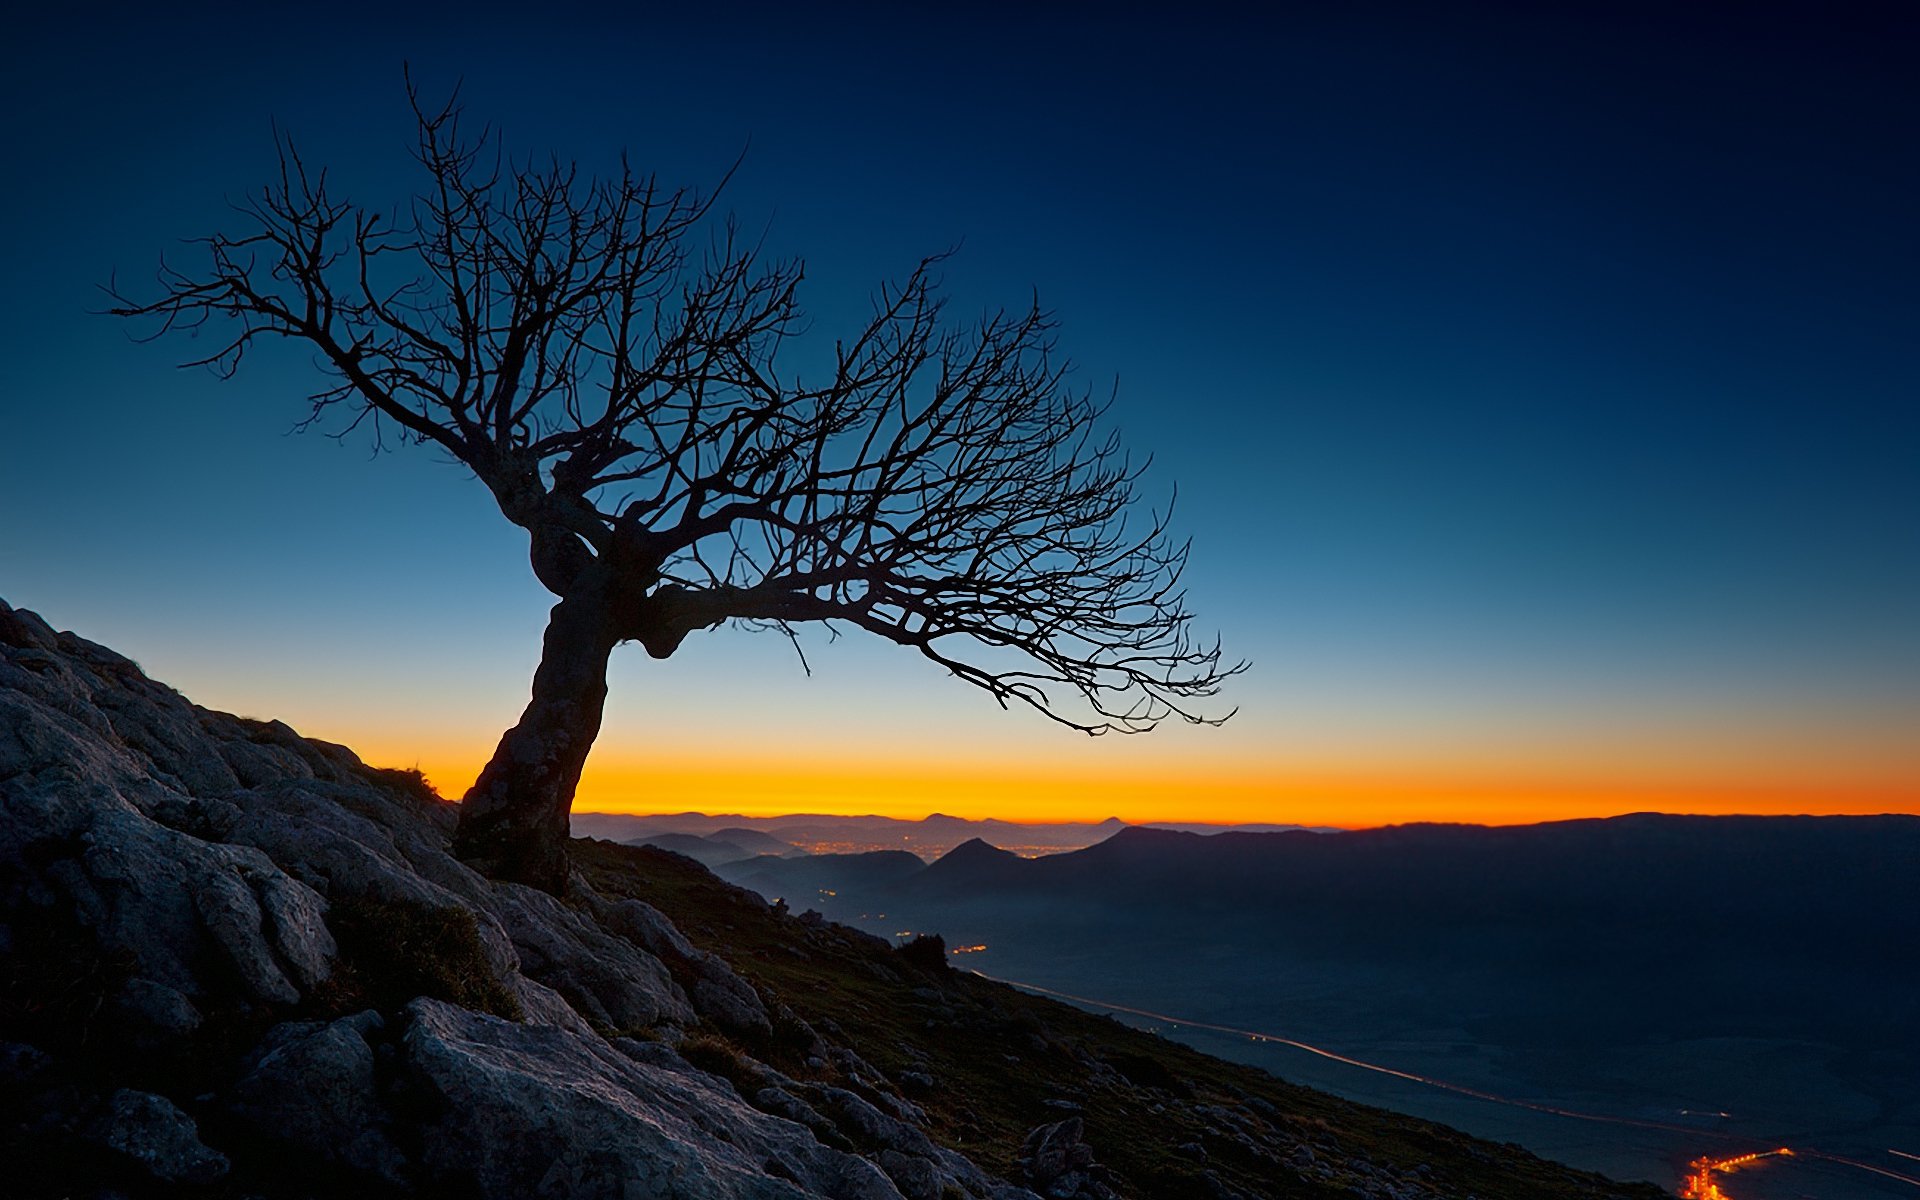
604 354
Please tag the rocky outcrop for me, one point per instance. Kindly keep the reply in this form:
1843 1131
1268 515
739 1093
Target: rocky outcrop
605 977
531 1111
85 836
237 954
717 992
156 1137
315 1086
1059 1164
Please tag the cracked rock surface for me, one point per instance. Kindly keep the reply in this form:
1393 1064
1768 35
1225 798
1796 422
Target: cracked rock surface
243 960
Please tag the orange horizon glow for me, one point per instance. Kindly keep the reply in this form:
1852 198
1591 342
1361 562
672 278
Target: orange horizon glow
695 739
1227 794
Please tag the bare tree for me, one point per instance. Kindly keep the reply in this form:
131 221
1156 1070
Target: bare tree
604 354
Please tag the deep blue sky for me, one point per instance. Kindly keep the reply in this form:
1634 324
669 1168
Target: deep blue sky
1540 384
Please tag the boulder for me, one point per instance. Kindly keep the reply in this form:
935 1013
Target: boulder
606 979
716 991
917 1178
866 1126
1059 1164
312 1086
189 913
153 1013
148 1131
783 1103
525 1111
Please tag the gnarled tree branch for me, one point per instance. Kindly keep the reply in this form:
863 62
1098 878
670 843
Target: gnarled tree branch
605 355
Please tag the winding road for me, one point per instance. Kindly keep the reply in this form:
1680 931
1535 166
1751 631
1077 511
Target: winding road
1701 1184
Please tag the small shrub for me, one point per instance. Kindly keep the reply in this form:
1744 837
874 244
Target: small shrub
928 952
409 782
394 950
717 1055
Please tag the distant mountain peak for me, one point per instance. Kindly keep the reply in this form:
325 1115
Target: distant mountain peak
972 865
747 839
1139 834
977 850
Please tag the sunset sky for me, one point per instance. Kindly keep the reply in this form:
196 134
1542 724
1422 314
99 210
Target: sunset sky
1540 382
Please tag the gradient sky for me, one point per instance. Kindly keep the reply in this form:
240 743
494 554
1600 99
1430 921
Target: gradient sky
1541 387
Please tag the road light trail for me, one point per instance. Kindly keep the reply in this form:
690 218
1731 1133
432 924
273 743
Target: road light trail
1461 1089
1858 1165
1378 1068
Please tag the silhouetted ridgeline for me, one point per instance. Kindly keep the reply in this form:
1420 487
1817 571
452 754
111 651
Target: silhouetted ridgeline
805 877
928 837
1775 925
242 963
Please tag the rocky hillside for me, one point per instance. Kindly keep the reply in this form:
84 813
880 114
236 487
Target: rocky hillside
239 962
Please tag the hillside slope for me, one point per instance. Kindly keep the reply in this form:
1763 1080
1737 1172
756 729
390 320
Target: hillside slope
239 962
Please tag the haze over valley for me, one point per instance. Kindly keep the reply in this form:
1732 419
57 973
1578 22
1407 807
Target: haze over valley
1691 986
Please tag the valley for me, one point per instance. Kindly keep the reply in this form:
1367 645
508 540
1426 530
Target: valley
1620 1015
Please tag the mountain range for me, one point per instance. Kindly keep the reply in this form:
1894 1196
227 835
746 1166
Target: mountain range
929 836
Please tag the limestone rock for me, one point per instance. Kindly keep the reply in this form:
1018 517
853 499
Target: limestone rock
541 1112
215 867
154 1013
606 979
149 1131
866 1126
917 1178
1060 1165
783 1103
312 1086
183 909
717 992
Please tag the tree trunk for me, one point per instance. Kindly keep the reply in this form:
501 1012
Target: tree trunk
513 822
